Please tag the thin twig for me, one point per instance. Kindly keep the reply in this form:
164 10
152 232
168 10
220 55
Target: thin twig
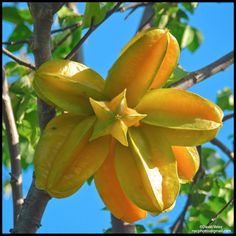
147 22
90 30
227 117
205 72
63 39
72 26
17 42
14 150
134 6
220 211
220 145
76 25
225 166
37 200
18 60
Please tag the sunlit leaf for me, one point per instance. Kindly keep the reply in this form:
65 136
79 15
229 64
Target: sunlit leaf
27 153
212 160
188 37
7 188
178 74
164 219
225 99
190 6
93 11
5 149
197 40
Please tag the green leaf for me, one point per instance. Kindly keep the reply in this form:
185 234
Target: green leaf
25 129
197 40
216 203
7 188
140 228
27 153
158 231
182 15
212 160
163 21
178 74
185 188
73 38
107 231
205 184
177 29
107 5
197 199
187 37
225 99
14 69
229 219
11 14
5 149
93 10
190 6
22 32
25 15
22 85
205 216
193 223
63 13
16 16
194 211
164 219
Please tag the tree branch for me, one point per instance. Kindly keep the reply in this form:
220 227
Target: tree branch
17 42
90 30
227 117
205 72
220 145
134 6
36 200
28 41
76 25
18 60
14 150
220 211
32 211
119 226
63 40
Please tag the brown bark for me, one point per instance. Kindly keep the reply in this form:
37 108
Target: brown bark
36 200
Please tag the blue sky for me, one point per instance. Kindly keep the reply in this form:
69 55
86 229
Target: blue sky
81 213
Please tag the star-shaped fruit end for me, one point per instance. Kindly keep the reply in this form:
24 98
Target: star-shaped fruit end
114 118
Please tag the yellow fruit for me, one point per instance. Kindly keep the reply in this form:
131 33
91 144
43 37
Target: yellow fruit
68 85
111 192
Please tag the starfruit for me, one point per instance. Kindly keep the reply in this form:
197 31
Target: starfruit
68 85
146 62
188 162
111 192
136 138
63 162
